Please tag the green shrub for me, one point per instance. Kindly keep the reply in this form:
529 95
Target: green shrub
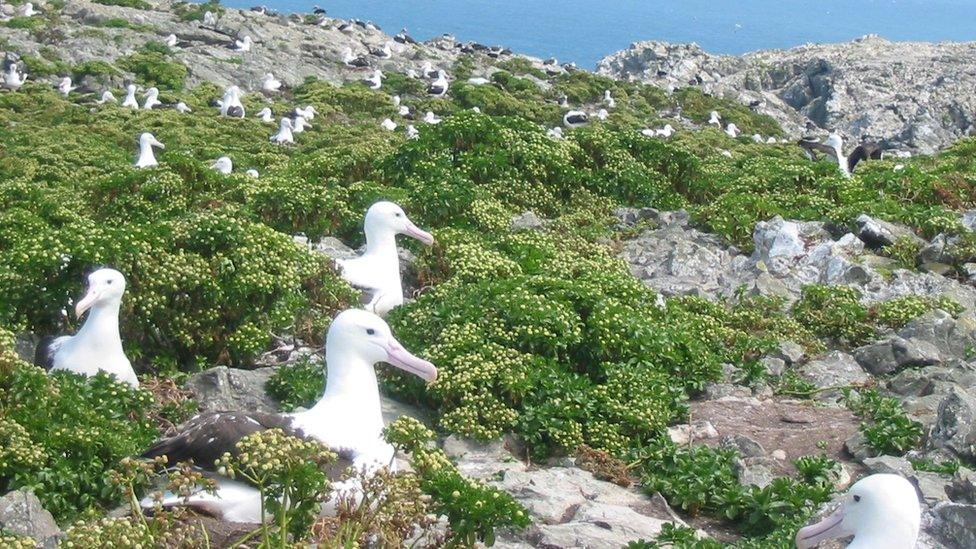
138 4
153 68
192 11
835 313
887 427
895 313
297 385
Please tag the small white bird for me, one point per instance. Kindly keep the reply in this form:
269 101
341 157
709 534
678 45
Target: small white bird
412 132
170 41
478 81
602 114
243 45
714 119
388 125
555 133
270 84
182 108
146 157
284 134
299 124
665 132
383 52
252 173
609 100
266 115
758 138
152 98
375 81
439 87
130 101
13 79
431 118
223 165
732 130
308 113
107 97
28 10
575 119
65 86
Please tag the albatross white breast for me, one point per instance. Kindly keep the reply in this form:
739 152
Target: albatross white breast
97 347
880 511
146 157
130 101
347 417
284 134
377 271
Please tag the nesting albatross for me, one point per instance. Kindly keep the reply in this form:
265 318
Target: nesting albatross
834 148
97 346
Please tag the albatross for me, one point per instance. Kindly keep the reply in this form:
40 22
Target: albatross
431 118
107 97
223 165
270 83
439 87
284 134
880 511
732 130
97 347
576 119
243 45
383 52
130 101
714 119
609 100
266 115
152 99
347 418
351 60
65 86
146 157
13 79
231 104
375 81
377 271
834 148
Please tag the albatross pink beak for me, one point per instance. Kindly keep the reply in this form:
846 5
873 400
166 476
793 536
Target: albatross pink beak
86 302
403 359
414 231
828 528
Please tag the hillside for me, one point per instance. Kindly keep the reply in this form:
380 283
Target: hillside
694 340
915 97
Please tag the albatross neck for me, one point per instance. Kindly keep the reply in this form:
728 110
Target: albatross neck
146 154
101 328
381 242
351 383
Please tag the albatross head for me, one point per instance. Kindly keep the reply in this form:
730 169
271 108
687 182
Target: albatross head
105 287
148 140
387 216
366 335
223 165
879 511
834 140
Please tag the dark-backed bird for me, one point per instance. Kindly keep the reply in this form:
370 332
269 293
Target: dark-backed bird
439 87
834 149
576 119
97 347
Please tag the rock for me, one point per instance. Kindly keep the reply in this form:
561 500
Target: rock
753 474
955 428
895 354
686 433
833 369
21 514
877 233
957 525
889 465
953 338
857 446
969 271
963 486
224 389
911 382
527 221
777 239
480 460
789 352
334 248
598 525
747 447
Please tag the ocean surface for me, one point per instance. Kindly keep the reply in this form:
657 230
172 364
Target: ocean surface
585 31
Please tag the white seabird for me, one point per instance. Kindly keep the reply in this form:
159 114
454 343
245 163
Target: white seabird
266 115
834 149
130 101
357 61
428 71
412 132
714 119
152 99
383 52
65 86
880 511
223 165
609 100
284 134
388 125
13 79
732 130
28 10
576 119
107 97
478 81
308 113
231 104
602 114
375 81
377 271
347 418
182 108
439 87
665 132
431 118
252 173
97 347
243 45
170 41
146 157
555 133
299 124
209 19
270 83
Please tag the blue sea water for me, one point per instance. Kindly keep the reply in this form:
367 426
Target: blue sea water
584 31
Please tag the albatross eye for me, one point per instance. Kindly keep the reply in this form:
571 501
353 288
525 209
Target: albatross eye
370 331
398 214
857 498
109 282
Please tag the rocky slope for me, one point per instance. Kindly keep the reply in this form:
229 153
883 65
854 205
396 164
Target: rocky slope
913 96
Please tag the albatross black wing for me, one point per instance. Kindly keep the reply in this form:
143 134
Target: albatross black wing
813 148
45 351
864 151
206 437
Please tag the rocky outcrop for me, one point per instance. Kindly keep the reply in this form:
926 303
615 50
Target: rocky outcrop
21 514
910 95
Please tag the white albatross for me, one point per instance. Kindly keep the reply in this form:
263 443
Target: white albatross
351 60
377 271
243 45
107 97
375 81
609 100
388 125
576 119
412 132
97 347
439 87
732 130
346 418
714 119
299 123
834 149
270 83
65 86
881 511
431 118
182 108
130 101
265 115
231 104
13 79
152 99
223 165
284 134
146 157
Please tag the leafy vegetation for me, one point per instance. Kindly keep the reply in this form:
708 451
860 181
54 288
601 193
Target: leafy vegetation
887 428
